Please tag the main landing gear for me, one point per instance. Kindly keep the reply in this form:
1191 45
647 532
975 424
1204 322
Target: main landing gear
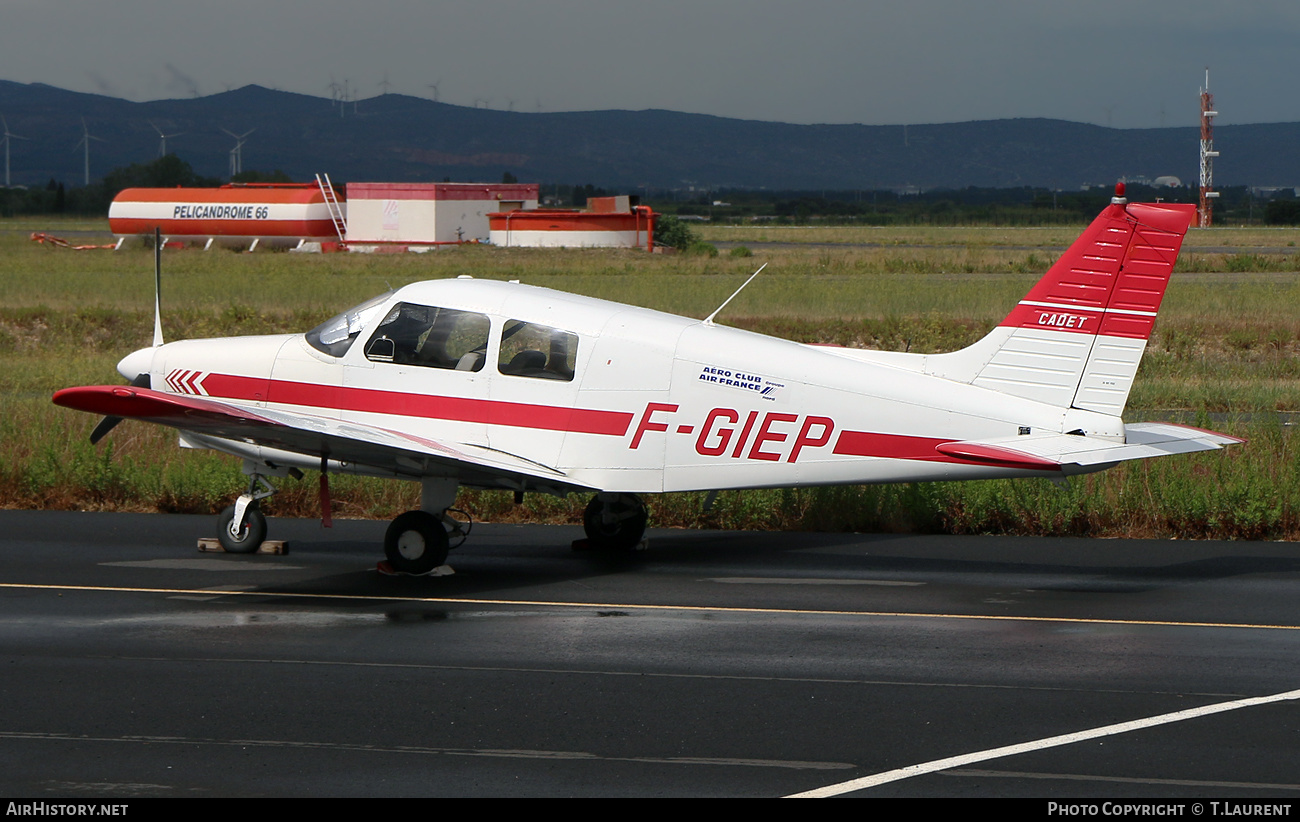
417 542
614 522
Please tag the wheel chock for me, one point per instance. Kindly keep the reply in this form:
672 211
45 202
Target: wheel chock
271 546
386 568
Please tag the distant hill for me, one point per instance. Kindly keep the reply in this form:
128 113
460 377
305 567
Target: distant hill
398 138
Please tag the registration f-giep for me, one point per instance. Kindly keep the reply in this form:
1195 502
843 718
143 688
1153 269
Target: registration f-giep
500 385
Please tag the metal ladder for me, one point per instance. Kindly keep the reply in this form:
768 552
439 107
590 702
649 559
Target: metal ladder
332 202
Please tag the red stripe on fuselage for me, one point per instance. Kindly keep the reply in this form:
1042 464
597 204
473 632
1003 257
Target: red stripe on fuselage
460 409
890 446
926 449
526 415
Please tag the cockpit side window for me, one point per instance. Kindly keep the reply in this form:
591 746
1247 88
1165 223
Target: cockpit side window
539 351
335 335
431 337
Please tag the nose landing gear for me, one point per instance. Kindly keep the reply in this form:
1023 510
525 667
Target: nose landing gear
241 528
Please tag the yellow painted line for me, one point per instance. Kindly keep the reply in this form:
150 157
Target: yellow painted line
712 609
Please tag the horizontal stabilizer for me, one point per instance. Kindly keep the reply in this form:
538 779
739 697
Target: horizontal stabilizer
1142 441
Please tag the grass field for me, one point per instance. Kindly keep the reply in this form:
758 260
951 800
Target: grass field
1226 354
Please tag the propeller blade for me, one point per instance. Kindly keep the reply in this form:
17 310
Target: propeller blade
105 425
109 423
142 379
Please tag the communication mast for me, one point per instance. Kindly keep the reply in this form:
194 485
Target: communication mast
1205 207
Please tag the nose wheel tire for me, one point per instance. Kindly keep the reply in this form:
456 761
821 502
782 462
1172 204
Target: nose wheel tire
615 522
416 543
249 536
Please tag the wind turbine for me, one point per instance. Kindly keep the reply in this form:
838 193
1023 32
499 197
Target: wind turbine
434 86
162 148
346 96
86 137
236 153
9 135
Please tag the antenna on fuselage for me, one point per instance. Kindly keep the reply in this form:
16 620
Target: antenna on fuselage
157 287
709 319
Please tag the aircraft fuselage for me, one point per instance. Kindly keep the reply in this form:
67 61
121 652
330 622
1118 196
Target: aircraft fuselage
647 402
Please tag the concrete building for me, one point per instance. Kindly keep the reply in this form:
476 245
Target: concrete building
420 216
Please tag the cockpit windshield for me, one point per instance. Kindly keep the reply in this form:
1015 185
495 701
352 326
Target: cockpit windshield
335 335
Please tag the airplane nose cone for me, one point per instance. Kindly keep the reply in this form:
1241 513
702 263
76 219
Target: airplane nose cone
136 363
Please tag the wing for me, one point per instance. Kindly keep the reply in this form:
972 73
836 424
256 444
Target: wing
1054 451
364 445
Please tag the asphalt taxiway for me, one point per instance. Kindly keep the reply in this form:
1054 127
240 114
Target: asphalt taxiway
714 664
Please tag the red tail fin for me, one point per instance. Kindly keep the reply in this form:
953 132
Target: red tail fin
1111 281
1076 338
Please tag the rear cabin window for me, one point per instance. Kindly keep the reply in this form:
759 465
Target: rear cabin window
431 337
539 351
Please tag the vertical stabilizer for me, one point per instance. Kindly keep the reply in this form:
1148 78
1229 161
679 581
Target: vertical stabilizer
1130 315
1076 338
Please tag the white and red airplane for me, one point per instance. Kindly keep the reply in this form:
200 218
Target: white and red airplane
498 385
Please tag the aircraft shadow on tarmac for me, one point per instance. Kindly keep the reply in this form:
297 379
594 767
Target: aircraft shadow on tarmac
497 566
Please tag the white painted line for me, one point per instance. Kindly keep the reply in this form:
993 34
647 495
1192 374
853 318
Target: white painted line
552 755
808 581
1037 745
1068 307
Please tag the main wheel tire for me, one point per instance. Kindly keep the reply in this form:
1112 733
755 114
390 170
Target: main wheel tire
250 535
625 530
415 543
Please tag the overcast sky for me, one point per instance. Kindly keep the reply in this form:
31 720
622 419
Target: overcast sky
1131 64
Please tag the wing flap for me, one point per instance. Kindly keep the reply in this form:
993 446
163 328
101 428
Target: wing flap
351 442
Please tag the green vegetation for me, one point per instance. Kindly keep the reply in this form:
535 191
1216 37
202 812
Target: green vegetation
672 232
1227 344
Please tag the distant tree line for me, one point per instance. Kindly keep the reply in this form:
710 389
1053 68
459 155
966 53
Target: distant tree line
93 200
1238 205
969 206
1283 209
